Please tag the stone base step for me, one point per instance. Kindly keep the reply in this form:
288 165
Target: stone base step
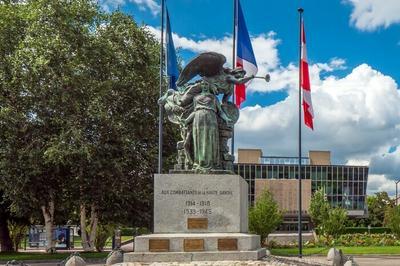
196 242
149 257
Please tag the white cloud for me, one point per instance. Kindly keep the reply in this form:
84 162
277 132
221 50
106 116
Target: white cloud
264 45
378 183
372 14
142 4
357 117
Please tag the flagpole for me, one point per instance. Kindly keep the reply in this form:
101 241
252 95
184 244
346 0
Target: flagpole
160 112
300 10
233 66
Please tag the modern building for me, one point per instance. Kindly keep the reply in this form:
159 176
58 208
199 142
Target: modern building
345 185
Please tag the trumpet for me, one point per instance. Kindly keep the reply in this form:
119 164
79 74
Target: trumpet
267 77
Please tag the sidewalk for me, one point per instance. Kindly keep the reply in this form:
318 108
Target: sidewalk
376 260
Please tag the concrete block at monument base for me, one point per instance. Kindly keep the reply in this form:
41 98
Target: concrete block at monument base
197 203
332 253
211 241
115 256
150 257
206 247
336 256
75 260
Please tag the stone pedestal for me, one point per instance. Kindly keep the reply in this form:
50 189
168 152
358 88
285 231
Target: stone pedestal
198 217
182 201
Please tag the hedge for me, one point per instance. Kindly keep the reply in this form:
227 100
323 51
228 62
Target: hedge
129 231
373 230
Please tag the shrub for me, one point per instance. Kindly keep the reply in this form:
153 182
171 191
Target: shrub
129 231
319 207
392 219
334 224
264 216
372 230
351 240
104 231
17 233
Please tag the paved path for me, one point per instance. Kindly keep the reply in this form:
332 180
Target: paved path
378 261
375 260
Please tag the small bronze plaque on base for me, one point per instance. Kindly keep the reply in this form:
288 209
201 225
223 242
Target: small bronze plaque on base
193 245
159 245
197 223
227 244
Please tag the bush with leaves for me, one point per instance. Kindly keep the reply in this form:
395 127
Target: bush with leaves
264 216
329 221
103 232
319 208
392 220
378 204
17 233
334 225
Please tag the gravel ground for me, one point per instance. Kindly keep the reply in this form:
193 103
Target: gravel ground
267 261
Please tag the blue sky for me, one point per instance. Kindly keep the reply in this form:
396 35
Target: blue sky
353 50
329 30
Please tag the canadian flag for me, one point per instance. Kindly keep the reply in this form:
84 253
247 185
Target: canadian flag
305 82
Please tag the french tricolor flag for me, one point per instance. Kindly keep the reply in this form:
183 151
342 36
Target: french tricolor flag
244 55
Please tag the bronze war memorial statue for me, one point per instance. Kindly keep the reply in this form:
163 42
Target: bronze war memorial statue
204 113
201 206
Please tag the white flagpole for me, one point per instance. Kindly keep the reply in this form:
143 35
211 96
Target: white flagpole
160 112
235 22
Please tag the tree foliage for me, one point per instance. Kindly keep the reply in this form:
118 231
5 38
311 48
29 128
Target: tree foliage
319 207
264 216
335 223
377 206
78 111
329 221
392 219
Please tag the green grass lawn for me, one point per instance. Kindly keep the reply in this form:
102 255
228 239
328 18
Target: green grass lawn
373 250
78 241
24 256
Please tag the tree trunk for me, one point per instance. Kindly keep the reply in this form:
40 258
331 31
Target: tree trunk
48 215
88 232
5 239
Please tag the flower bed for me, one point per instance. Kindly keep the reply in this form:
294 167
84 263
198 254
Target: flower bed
348 240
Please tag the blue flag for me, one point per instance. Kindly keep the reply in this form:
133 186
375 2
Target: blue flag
172 64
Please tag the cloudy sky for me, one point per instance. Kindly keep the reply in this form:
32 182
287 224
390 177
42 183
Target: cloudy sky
354 55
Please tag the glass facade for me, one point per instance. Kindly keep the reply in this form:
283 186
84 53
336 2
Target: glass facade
345 186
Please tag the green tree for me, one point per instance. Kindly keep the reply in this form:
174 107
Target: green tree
329 221
319 207
264 216
18 230
335 223
47 72
6 243
79 110
392 219
11 32
377 206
